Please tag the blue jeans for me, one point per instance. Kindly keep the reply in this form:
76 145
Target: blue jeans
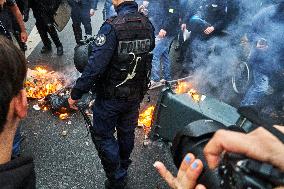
257 91
112 115
161 53
17 143
80 14
108 10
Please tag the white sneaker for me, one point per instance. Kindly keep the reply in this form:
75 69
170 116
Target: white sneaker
155 84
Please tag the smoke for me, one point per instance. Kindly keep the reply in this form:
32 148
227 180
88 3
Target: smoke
215 60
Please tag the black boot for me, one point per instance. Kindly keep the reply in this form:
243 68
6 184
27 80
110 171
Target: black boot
77 33
116 185
46 49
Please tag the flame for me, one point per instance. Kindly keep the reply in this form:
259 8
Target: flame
41 83
182 87
63 116
145 119
194 95
186 87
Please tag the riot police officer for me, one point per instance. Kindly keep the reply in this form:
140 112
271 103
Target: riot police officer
44 11
267 61
81 10
119 66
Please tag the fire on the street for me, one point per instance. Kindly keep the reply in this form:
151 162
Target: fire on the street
145 119
41 83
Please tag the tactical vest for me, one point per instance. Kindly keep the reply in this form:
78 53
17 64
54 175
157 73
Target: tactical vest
128 74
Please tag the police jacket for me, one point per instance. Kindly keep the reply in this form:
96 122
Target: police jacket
268 25
18 173
164 14
120 57
91 4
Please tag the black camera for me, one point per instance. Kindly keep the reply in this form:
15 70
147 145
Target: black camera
234 172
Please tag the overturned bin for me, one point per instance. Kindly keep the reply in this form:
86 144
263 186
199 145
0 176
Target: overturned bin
174 111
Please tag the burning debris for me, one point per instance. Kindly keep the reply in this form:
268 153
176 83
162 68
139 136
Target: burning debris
40 83
183 87
145 119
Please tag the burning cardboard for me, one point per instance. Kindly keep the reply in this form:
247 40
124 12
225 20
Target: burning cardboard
40 83
145 119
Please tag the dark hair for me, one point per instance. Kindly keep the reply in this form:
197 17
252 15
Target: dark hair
12 75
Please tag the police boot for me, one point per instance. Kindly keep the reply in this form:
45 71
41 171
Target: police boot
115 185
77 33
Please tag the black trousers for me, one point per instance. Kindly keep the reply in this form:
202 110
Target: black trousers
45 26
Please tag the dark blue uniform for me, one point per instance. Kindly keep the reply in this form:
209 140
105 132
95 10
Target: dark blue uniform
80 14
118 66
267 58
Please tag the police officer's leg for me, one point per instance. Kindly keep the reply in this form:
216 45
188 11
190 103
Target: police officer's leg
127 123
156 62
76 19
105 120
86 20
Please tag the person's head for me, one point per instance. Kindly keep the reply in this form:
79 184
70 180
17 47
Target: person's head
13 101
116 3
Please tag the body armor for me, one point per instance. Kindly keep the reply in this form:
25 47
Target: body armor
128 73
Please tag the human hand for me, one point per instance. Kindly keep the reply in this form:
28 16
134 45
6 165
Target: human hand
259 145
183 27
187 176
24 36
162 33
209 30
2 3
73 103
92 12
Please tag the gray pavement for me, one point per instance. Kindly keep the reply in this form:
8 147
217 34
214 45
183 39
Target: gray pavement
71 161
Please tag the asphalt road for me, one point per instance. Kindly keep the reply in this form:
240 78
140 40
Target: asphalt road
71 161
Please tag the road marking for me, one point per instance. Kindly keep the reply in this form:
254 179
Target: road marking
33 41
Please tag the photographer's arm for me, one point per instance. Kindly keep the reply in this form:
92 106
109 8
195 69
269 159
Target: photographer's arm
259 145
187 176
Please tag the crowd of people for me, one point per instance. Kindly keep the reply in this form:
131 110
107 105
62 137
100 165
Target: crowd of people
129 52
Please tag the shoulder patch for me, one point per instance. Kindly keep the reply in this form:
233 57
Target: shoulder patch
100 40
105 29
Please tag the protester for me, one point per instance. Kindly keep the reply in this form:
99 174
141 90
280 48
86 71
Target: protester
165 17
44 11
266 62
81 12
18 172
260 145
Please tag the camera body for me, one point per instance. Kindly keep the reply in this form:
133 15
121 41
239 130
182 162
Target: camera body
234 172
